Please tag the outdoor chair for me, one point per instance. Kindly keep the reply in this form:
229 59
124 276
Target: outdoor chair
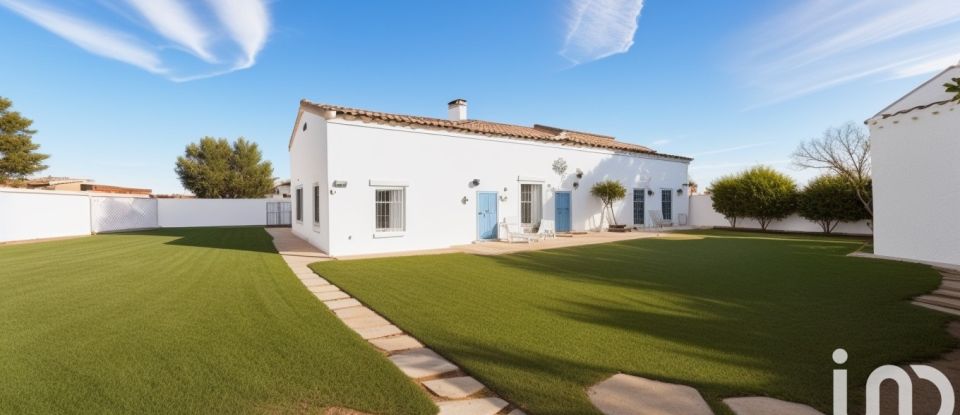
515 233
547 229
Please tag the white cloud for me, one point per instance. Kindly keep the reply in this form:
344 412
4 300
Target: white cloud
173 20
600 28
731 149
248 24
212 38
89 36
817 45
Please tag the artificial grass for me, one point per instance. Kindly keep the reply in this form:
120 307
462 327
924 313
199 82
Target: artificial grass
179 321
730 313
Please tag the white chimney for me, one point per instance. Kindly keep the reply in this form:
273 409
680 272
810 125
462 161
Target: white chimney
457 110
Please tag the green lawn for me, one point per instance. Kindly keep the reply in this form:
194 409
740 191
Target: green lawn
729 313
179 321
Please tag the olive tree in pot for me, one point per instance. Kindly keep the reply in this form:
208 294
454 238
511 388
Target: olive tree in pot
609 191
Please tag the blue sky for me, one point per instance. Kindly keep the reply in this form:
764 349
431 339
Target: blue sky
117 88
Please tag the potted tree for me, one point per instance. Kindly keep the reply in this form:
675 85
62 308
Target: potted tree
609 191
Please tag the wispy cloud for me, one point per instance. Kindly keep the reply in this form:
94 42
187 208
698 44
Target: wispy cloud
733 165
661 142
173 20
248 23
89 36
209 39
816 45
597 29
731 149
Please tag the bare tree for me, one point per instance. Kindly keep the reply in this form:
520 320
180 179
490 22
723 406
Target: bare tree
844 151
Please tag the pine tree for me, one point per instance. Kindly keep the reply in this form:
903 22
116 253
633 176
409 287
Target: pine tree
18 157
213 168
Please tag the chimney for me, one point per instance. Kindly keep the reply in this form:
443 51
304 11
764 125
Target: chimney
457 110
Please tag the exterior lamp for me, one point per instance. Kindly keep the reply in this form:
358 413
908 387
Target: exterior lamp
679 192
340 183
649 192
475 182
576 185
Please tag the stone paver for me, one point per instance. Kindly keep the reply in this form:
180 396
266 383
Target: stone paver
517 412
484 406
631 395
322 288
422 363
332 295
369 333
354 312
365 322
314 282
396 343
761 405
454 388
338 304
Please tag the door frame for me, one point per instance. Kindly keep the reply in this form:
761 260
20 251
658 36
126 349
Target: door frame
496 215
569 209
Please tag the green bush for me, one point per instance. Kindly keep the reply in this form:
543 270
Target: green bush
728 198
760 193
829 200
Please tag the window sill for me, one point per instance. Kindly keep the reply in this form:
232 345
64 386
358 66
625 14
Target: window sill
378 235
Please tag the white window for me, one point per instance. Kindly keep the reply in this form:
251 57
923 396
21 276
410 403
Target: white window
531 205
299 204
639 200
316 203
390 210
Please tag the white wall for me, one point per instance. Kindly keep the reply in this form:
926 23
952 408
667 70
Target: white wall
437 167
916 184
308 166
174 213
702 214
36 214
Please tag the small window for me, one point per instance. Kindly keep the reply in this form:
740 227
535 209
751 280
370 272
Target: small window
304 126
530 205
316 203
666 202
639 199
299 212
389 210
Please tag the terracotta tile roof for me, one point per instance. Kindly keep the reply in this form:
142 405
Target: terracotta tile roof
537 132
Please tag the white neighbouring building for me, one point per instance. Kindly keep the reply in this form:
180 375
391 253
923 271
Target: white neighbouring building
915 149
372 182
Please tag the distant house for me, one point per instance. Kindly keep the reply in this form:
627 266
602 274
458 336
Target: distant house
915 146
281 189
81 185
368 182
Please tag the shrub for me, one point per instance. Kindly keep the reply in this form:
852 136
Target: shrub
771 195
829 200
609 191
728 198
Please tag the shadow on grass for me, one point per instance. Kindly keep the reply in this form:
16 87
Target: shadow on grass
242 238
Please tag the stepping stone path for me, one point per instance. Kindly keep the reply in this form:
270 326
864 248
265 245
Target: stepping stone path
631 395
454 393
768 406
946 298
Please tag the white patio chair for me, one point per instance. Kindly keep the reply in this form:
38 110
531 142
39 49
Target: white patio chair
515 233
547 229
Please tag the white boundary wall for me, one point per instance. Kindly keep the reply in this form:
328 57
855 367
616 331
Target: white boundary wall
42 214
175 213
26 214
702 214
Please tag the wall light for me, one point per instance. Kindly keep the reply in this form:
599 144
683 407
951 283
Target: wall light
340 183
475 182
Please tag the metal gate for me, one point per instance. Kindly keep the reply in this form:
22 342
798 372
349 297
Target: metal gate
278 213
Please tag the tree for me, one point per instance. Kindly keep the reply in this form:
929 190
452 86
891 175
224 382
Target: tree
829 200
728 198
954 88
213 168
770 195
609 191
18 158
845 152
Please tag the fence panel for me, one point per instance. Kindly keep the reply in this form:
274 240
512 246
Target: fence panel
111 213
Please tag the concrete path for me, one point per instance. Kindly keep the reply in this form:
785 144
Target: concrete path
760 405
632 395
445 383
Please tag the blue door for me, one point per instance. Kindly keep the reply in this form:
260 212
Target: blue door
561 201
486 215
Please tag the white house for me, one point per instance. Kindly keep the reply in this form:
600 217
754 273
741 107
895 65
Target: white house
916 176
371 182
